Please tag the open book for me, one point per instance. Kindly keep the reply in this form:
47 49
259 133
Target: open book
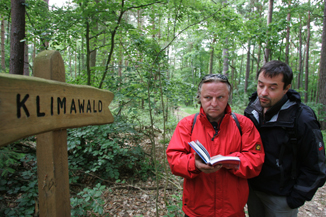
231 162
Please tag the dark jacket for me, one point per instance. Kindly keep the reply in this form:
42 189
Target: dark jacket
308 164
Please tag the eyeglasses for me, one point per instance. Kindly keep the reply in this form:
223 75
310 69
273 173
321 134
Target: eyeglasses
218 76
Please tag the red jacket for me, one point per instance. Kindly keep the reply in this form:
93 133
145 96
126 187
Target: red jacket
225 192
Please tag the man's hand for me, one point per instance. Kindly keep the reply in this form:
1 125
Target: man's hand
204 167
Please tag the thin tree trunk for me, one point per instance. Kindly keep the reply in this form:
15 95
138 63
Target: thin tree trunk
3 59
113 33
252 59
241 65
34 51
300 56
288 35
248 67
17 37
307 58
120 66
232 80
211 59
269 20
88 54
225 58
70 60
93 49
258 57
322 76
82 54
26 62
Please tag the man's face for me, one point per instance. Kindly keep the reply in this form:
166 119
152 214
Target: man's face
270 90
214 99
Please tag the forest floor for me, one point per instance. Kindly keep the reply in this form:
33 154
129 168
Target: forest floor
140 201
139 198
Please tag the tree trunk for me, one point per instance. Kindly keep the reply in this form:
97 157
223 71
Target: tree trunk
45 43
225 58
70 60
322 77
113 33
211 59
88 54
3 59
252 59
240 73
300 56
232 80
17 37
26 62
258 58
247 68
93 48
307 57
82 56
269 20
288 35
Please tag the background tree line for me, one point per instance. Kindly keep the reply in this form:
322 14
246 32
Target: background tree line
152 54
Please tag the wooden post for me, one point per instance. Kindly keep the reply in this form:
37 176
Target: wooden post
51 148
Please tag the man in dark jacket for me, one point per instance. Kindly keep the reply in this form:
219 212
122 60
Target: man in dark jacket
294 166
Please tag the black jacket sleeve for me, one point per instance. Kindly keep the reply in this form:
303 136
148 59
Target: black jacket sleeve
311 159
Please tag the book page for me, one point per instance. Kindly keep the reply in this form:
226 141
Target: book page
225 160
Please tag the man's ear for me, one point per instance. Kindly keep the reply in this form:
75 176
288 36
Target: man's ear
287 88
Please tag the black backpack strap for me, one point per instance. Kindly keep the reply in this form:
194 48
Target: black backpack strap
193 123
236 122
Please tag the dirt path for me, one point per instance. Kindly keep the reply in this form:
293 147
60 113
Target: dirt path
315 207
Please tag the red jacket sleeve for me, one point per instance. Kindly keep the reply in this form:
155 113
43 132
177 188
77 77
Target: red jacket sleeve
180 158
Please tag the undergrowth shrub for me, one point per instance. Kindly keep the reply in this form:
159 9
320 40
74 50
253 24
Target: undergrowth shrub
109 151
88 201
18 185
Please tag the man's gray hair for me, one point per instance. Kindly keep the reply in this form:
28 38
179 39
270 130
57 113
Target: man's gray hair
212 78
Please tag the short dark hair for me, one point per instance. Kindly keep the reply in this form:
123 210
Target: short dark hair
276 67
213 78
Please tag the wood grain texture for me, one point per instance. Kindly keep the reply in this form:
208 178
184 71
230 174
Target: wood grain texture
30 105
51 148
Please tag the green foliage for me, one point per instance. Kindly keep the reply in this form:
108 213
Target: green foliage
107 151
8 159
20 186
88 201
175 207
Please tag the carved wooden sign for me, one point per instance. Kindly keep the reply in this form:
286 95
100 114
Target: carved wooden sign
30 106
46 106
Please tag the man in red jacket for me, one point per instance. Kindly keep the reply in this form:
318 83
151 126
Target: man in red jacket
215 190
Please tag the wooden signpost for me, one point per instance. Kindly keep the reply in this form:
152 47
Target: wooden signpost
30 106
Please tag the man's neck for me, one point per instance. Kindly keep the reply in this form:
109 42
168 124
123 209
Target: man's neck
217 119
